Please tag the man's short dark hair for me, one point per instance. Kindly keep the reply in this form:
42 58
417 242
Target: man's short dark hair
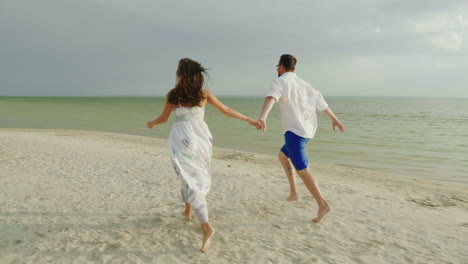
288 61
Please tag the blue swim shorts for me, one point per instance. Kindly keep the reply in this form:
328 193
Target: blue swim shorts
294 149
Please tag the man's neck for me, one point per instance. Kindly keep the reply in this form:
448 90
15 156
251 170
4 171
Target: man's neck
286 72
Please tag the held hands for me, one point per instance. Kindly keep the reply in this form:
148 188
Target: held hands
262 125
253 123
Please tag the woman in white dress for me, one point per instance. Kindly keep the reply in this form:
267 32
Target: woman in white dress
190 141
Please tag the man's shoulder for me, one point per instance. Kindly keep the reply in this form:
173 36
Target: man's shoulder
299 82
292 79
286 78
279 81
305 84
296 78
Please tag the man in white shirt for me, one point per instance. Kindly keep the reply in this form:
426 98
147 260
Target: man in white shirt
298 103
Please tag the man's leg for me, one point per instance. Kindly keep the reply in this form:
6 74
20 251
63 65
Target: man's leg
288 169
312 185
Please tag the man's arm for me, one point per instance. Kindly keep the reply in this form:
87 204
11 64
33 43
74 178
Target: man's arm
267 106
335 121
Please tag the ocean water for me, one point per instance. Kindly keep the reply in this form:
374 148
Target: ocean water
412 137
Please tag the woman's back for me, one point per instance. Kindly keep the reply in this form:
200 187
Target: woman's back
194 113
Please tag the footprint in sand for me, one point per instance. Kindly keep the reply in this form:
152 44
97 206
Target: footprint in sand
441 201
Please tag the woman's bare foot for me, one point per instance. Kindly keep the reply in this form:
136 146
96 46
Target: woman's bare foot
187 215
188 212
323 210
292 198
208 232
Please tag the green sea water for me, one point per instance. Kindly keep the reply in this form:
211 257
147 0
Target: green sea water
413 137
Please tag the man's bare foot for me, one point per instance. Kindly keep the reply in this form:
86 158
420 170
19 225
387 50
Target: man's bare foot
187 215
321 213
292 198
208 232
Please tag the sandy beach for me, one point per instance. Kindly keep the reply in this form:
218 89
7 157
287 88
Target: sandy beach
70 196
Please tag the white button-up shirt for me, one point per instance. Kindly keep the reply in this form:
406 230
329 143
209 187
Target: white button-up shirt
298 102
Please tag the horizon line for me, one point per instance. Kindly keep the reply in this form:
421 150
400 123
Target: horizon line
234 96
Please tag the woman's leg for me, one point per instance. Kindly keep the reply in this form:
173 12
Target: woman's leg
208 232
201 212
188 212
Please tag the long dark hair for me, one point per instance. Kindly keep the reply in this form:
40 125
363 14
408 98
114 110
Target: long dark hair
188 90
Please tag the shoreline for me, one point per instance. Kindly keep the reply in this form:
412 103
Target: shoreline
79 196
449 183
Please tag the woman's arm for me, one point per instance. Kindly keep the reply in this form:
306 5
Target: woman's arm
227 111
163 117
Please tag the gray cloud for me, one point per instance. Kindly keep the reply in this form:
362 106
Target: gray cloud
116 47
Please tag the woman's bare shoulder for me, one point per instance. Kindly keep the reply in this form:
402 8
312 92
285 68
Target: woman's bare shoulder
206 93
170 91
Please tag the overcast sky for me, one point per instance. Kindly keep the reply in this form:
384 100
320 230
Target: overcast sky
132 47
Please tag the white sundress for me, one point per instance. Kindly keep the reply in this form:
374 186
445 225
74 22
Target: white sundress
190 146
